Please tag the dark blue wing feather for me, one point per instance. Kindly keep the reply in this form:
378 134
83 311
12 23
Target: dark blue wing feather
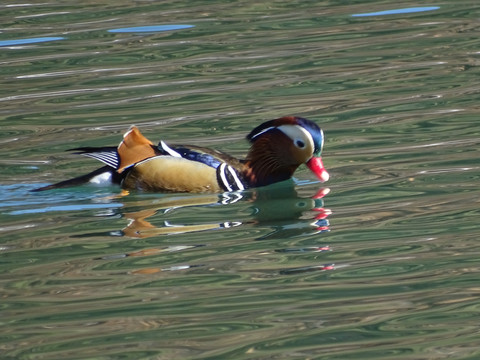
196 154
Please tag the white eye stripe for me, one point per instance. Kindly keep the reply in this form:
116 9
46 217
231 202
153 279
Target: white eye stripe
297 133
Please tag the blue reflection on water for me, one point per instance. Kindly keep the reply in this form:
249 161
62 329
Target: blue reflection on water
29 41
17 199
153 28
73 207
399 11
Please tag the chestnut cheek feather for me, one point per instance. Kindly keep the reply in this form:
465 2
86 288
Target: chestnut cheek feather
315 164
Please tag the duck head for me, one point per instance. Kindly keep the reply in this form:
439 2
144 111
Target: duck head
280 146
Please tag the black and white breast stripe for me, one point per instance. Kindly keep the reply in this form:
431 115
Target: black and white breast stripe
228 178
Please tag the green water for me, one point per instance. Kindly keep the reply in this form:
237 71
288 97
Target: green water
385 266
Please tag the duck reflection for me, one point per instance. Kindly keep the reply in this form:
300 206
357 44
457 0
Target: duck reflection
284 211
279 208
288 214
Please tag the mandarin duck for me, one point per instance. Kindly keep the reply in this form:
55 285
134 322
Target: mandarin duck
278 148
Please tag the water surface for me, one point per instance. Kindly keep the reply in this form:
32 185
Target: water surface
383 265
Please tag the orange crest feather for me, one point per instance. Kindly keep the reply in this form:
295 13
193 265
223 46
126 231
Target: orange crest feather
134 148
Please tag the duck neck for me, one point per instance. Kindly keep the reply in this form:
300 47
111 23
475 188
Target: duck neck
264 166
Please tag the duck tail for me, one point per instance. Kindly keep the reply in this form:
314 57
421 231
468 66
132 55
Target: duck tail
104 174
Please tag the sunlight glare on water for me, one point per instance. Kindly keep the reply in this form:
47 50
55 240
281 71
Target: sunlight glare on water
380 262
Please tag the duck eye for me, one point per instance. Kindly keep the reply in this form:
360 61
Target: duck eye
300 144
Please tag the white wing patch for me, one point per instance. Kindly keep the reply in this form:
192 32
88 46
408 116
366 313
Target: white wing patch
102 179
169 150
